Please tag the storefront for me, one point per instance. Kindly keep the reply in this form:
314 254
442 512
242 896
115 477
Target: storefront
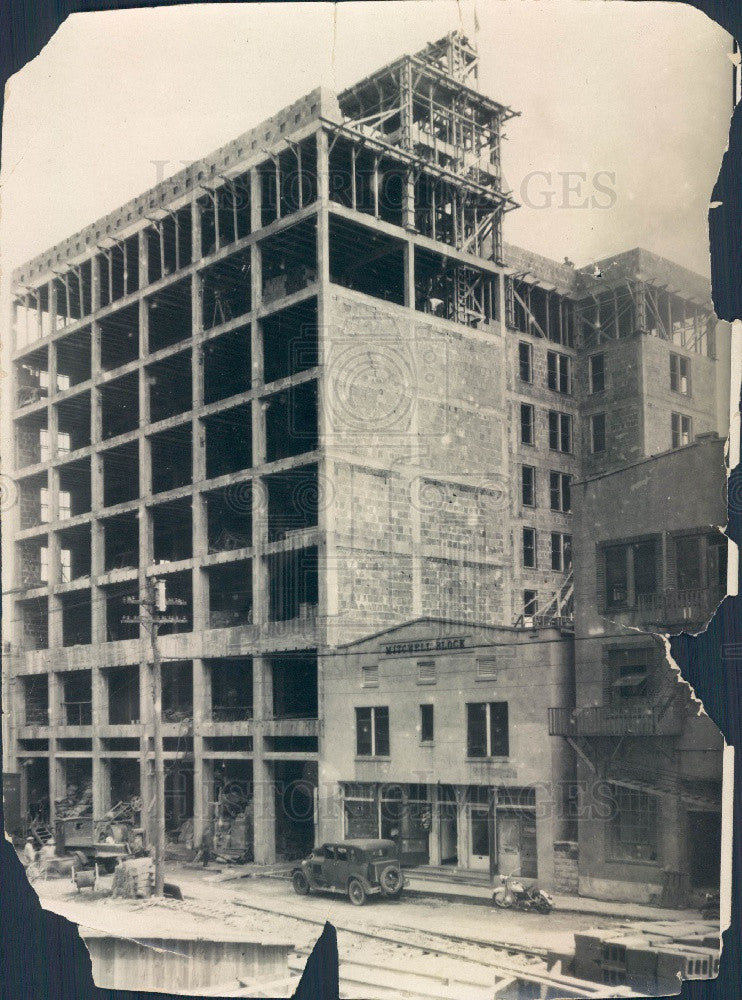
479 828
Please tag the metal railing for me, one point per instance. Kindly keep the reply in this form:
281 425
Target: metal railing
676 606
614 720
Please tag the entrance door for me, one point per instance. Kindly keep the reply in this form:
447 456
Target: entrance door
449 834
508 844
516 844
479 838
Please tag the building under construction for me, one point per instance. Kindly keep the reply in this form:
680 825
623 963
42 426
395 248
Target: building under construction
305 384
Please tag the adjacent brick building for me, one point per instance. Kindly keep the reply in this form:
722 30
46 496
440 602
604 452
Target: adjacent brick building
305 383
648 764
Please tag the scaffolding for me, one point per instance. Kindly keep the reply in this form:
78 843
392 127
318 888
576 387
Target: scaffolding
419 117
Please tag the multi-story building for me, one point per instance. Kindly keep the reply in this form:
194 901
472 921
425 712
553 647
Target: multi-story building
435 735
305 384
648 762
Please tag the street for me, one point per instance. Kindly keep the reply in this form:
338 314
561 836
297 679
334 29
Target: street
428 936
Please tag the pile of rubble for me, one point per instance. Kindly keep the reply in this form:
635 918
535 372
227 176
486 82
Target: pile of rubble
77 802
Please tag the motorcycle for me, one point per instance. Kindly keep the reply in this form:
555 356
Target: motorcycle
514 894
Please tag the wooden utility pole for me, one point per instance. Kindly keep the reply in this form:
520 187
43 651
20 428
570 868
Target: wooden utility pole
152 615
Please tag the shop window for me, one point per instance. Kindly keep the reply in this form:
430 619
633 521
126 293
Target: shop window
372 732
487 729
633 825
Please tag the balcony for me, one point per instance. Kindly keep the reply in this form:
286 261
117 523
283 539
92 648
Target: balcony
683 608
644 719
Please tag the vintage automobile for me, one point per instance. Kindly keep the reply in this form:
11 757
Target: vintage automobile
360 868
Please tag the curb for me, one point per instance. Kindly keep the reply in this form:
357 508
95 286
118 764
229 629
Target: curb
461 897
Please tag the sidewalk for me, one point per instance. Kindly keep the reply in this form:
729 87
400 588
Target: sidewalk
482 894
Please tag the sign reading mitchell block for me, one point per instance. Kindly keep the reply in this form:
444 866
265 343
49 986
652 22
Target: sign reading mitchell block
423 645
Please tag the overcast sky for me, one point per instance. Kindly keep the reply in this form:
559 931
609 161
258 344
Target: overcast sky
635 96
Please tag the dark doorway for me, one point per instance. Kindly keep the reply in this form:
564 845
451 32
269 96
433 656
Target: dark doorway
704 849
296 782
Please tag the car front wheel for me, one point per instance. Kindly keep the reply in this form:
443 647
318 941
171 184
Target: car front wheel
300 883
356 892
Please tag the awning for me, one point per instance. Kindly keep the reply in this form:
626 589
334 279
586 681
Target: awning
630 680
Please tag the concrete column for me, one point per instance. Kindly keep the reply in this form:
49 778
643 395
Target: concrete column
264 811
143 260
195 229
56 789
263 781
434 840
201 713
203 796
99 631
462 808
57 783
102 800
101 772
409 274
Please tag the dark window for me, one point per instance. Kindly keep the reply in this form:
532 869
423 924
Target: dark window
560 491
529 548
528 486
426 724
561 551
616 576
487 729
526 423
530 602
628 669
630 571
372 732
633 826
597 432
597 372
688 562
559 372
680 374
525 362
682 430
560 431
